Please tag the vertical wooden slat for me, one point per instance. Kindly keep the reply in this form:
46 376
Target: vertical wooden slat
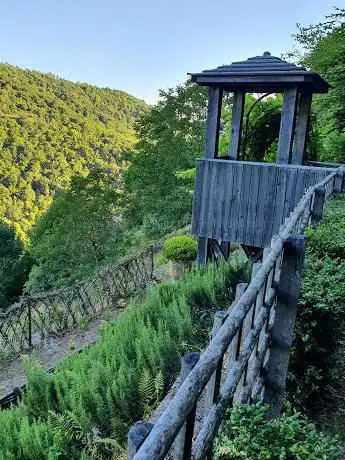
251 211
197 199
236 124
228 201
235 205
244 199
258 233
268 209
301 129
183 441
278 213
287 125
213 119
210 203
219 197
290 190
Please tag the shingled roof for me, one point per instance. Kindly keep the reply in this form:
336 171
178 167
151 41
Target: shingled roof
266 73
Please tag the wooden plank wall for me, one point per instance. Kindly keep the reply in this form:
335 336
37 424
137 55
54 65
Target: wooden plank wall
245 202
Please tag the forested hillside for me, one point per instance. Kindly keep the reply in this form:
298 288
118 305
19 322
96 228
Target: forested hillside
51 129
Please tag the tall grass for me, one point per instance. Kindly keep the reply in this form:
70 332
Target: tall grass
85 408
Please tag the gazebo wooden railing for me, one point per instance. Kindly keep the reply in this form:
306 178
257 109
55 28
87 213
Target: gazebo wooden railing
247 358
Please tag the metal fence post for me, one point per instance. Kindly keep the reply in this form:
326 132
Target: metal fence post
183 441
284 321
136 436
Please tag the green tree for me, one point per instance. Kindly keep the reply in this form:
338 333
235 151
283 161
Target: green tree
323 51
79 232
14 266
171 138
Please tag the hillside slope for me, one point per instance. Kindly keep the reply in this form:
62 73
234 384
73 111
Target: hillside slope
50 129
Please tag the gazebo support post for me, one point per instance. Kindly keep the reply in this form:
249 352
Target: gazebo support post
214 108
236 124
287 125
301 129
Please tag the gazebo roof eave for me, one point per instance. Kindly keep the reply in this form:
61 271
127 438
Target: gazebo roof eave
266 80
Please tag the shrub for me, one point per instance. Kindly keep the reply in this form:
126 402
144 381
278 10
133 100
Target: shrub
314 365
92 398
247 435
180 248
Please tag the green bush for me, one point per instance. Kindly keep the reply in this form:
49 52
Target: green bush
92 398
314 367
247 435
180 248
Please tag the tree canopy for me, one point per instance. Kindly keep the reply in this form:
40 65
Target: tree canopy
51 129
323 50
77 233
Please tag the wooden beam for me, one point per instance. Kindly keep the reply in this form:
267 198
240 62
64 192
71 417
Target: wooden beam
236 124
301 129
183 442
287 125
284 322
213 121
136 436
202 251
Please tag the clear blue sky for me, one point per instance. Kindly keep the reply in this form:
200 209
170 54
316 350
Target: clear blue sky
143 45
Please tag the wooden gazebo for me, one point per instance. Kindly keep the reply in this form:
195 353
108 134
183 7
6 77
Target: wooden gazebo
245 202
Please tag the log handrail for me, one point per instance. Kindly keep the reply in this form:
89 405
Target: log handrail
283 254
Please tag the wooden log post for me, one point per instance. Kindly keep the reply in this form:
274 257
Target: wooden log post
284 321
213 386
287 125
234 347
214 108
212 389
183 441
317 206
338 182
301 128
236 124
249 325
136 436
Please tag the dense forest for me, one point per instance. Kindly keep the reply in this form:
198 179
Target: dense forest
51 129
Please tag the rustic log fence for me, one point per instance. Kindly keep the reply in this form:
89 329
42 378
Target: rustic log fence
33 318
247 357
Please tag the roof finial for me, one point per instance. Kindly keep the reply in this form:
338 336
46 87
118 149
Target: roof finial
267 53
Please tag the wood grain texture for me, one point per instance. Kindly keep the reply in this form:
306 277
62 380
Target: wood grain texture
287 125
284 322
213 120
301 128
245 202
274 271
236 124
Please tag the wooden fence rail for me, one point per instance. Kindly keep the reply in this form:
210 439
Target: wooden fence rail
247 358
29 321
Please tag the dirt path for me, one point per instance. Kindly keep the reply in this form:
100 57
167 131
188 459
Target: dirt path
51 352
